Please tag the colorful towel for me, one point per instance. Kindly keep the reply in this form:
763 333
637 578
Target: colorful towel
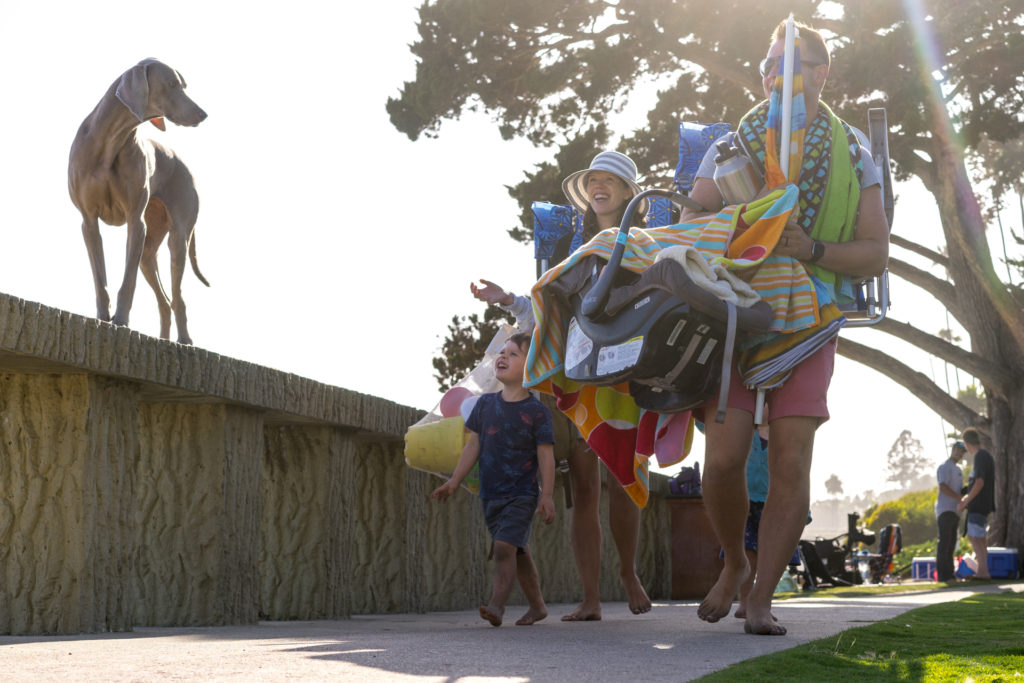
769 365
623 435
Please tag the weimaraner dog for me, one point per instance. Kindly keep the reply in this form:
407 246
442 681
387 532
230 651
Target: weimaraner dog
116 176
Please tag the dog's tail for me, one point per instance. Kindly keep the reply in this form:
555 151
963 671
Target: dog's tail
195 263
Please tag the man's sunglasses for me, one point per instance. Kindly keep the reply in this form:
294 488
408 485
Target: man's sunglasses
768 64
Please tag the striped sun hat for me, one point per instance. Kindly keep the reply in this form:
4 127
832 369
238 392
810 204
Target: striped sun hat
575 186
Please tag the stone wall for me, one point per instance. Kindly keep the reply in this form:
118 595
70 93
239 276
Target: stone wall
145 482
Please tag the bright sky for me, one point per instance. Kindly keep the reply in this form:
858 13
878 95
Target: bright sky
336 248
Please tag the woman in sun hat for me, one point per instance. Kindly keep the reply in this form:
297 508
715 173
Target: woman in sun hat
602 192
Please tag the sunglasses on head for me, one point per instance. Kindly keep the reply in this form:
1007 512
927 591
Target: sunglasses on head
768 64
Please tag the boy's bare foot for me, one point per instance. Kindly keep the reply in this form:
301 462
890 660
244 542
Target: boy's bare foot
585 611
493 616
532 617
762 623
718 601
639 603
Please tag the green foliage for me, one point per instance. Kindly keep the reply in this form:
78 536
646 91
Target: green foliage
974 398
914 512
553 72
926 644
904 559
463 348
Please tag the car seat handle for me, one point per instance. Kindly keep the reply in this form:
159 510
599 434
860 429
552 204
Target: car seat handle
595 300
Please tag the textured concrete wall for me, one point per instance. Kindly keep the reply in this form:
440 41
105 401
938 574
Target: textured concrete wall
67 443
144 482
197 514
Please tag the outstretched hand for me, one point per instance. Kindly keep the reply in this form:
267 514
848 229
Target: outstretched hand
491 293
444 491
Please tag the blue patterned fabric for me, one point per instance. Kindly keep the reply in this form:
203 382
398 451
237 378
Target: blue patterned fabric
554 224
694 141
509 435
660 213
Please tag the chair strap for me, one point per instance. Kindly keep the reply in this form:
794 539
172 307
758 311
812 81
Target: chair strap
730 345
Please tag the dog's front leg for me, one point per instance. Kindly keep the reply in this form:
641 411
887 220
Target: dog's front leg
133 254
94 245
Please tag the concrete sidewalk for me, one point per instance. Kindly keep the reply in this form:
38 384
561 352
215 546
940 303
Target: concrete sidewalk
669 643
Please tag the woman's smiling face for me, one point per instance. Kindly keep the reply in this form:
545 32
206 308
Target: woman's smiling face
607 192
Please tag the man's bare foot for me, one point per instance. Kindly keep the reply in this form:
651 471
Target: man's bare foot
585 611
491 615
741 613
639 603
531 617
718 601
762 623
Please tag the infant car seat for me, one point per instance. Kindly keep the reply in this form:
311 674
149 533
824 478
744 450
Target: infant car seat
670 338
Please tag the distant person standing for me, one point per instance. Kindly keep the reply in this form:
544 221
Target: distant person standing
980 500
951 482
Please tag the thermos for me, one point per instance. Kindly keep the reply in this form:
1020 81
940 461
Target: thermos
735 175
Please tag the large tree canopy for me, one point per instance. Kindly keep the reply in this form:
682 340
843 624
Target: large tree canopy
949 74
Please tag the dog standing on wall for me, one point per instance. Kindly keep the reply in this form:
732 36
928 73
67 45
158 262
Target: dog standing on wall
116 176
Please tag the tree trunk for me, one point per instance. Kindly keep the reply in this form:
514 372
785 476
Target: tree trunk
1007 524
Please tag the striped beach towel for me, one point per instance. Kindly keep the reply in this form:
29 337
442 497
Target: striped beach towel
623 435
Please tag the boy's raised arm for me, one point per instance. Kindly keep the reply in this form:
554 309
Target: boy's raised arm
470 453
546 463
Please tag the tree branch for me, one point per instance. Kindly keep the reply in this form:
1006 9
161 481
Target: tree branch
988 373
910 245
950 409
940 289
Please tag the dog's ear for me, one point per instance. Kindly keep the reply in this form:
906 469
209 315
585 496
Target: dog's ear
133 90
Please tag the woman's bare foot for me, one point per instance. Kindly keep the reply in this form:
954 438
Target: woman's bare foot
639 603
531 617
585 611
491 615
718 601
762 623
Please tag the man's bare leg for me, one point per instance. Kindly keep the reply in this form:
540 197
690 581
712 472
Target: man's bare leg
980 546
725 499
741 608
784 515
504 577
529 581
624 520
585 475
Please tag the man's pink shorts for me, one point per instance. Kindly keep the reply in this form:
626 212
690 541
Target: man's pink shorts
804 394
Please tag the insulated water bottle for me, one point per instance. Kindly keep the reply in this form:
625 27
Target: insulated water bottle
735 175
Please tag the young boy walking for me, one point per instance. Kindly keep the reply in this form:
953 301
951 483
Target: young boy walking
511 436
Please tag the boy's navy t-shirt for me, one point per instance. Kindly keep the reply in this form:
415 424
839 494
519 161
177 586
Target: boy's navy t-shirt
509 435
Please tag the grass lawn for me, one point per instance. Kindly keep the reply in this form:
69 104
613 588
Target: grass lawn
980 638
875 589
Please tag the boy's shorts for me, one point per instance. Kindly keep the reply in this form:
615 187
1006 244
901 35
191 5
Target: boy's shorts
804 394
976 525
509 519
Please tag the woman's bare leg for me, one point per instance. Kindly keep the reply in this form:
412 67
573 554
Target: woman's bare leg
624 520
585 476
